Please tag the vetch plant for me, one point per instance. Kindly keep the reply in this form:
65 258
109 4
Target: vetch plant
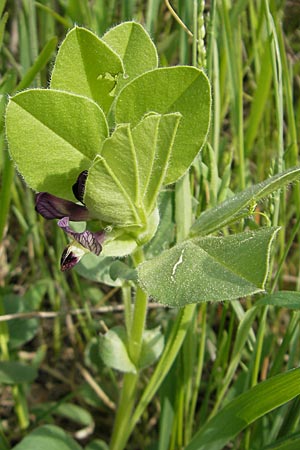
99 146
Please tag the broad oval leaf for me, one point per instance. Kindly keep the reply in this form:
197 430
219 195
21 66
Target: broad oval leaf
120 270
180 89
73 413
135 48
14 372
152 347
209 269
245 409
53 136
97 268
113 350
49 437
87 66
23 330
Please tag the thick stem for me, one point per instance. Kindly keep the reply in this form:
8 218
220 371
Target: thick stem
138 325
135 342
127 398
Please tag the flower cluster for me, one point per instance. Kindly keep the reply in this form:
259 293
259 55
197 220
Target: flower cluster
52 207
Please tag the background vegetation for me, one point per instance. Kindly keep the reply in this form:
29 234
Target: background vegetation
250 51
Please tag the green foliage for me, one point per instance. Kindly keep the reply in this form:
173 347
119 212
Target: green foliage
242 204
47 436
97 444
245 409
74 413
113 349
138 128
209 269
97 269
177 89
135 48
14 372
282 299
44 122
128 168
85 65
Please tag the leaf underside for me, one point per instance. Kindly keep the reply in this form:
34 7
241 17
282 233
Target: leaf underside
124 181
57 136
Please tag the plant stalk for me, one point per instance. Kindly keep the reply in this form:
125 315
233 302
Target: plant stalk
135 342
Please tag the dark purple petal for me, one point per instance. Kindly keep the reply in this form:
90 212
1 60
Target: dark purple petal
69 259
52 207
90 241
79 186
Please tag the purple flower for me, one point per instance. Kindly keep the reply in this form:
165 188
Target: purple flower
52 207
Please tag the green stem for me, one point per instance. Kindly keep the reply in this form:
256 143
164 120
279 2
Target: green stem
135 341
21 408
138 325
126 295
125 408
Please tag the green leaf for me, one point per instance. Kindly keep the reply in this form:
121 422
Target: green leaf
111 190
119 154
14 372
52 137
20 330
97 268
97 444
87 66
233 208
120 270
2 6
92 357
74 413
281 299
125 179
259 101
153 139
118 244
209 269
172 347
23 330
168 90
135 48
113 350
152 347
3 21
107 198
245 409
291 442
48 437
165 234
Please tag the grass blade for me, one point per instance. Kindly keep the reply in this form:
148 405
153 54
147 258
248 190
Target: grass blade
245 409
